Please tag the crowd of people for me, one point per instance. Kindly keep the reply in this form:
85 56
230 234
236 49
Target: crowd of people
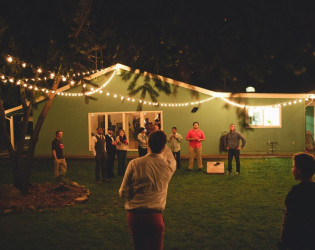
146 178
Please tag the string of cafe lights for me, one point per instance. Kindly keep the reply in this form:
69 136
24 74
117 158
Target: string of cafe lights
26 84
30 82
283 104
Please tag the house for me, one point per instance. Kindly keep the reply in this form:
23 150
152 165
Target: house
271 123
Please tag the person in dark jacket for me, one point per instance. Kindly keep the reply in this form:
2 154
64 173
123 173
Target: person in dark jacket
233 147
111 151
98 148
60 164
298 221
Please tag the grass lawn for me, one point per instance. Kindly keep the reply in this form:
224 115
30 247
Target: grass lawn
202 211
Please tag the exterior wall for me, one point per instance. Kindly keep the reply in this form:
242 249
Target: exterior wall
310 116
70 114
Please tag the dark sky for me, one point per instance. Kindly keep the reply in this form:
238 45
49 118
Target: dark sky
219 45
266 44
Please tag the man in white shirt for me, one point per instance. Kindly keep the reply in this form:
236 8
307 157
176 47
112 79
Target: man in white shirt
98 148
145 187
175 140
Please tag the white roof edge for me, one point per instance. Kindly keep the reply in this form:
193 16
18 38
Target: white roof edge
213 93
178 83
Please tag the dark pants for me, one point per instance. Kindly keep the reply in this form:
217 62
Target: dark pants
110 163
142 151
100 168
121 158
236 154
147 230
177 158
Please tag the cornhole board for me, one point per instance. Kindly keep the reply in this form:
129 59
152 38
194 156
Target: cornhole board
215 167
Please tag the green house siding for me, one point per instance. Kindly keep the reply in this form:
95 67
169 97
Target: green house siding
310 119
70 114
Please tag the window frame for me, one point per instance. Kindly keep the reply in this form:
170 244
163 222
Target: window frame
263 116
123 113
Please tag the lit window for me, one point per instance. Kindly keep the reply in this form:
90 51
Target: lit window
264 117
128 121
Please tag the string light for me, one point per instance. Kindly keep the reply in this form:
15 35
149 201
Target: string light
117 71
9 59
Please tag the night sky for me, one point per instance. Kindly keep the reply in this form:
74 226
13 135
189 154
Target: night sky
218 45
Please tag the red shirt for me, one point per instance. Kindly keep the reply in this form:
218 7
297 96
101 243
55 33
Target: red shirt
195 134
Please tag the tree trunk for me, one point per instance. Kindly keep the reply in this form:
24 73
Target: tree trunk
26 171
22 161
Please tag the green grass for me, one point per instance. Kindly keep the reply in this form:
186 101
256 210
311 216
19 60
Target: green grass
202 211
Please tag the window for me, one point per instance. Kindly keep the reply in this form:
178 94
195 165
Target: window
128 121
264 117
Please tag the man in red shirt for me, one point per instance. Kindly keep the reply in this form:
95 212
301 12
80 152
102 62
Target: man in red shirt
195 136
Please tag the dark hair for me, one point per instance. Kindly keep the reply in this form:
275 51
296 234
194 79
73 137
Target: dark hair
122 138
141 129
174 128
157 141
195 122
306 164
57 132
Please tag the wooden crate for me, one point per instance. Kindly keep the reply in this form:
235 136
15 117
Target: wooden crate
215 167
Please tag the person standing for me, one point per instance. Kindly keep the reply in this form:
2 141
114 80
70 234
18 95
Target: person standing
145 187
98 149
175 140
143 142
60 164
195 136
232 145
121 147
298 220
111 151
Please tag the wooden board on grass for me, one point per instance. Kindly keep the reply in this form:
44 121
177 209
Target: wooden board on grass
215 167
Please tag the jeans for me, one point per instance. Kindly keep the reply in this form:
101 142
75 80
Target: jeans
121 158
110 163
177 158
100 168
236 154
142 151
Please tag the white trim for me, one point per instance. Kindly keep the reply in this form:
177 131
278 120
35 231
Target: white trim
178 83
212 93
264 126
12 131
141 114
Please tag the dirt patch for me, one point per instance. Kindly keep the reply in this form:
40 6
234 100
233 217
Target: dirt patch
41 196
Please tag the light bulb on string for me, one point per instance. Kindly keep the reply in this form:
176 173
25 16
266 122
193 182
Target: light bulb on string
9 59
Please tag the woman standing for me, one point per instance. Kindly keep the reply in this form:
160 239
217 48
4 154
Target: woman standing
143 142
121 149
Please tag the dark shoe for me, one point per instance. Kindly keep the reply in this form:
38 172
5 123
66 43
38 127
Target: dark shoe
98 182
107 180
200 169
